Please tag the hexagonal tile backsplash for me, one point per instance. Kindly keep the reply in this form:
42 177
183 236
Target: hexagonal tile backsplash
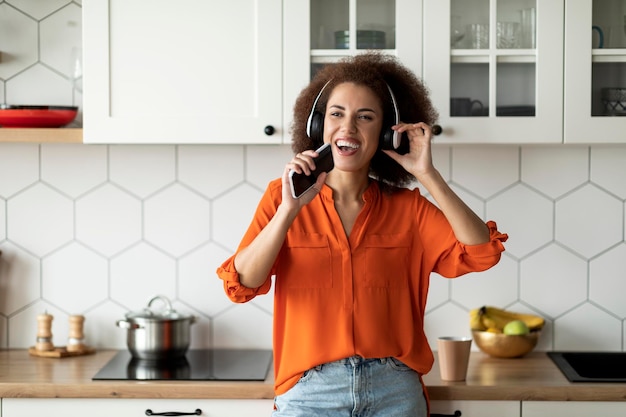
98 230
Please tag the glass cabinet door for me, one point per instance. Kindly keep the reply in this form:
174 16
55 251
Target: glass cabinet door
320 32
595 71
494 68
334 24
345 27
340 28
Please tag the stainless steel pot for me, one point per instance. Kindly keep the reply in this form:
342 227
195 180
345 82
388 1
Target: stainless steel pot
157 335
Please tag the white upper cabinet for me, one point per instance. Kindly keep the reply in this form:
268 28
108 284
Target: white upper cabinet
495 69
189 71
595 71
499 71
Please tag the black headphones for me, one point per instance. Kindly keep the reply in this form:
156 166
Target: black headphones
389 138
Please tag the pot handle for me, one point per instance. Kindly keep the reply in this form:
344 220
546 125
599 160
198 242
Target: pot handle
127 325
164 299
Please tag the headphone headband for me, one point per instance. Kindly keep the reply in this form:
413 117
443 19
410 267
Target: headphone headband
395 139
308 121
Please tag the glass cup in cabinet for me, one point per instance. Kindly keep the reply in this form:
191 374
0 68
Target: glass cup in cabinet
465 106
478 35
508 35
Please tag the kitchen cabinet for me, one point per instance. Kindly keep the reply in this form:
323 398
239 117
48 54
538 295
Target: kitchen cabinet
192 71
76 407
573 408
591 67
477 408
542 86
490 88
197 72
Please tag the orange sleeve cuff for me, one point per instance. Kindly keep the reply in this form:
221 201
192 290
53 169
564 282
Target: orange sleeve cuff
493 247
235 291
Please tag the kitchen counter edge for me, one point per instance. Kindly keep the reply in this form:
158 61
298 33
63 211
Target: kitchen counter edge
532 378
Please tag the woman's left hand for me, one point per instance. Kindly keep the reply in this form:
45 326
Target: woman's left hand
418 161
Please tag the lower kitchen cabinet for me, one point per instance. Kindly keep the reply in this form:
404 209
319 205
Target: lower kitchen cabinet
81 407
573 408
477 408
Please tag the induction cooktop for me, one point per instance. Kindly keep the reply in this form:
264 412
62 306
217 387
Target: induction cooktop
197 364
591 366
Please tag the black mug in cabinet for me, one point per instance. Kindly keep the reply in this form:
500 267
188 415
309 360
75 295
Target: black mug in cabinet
464 106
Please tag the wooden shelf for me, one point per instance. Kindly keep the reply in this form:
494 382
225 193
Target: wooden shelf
42 135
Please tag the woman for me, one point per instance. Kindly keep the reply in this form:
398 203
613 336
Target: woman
353 255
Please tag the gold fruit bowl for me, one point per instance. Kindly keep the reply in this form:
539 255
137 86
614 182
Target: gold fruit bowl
501 345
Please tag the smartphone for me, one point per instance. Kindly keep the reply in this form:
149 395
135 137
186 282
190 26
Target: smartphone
301 183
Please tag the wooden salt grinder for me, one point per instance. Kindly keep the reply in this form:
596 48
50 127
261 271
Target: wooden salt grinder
44 333
75 340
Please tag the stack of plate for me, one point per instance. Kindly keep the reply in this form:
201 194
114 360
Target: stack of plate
614 101
365 39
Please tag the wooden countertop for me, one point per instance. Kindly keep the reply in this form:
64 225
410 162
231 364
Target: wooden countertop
532 378
23 375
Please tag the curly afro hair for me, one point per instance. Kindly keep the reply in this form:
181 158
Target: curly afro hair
376 71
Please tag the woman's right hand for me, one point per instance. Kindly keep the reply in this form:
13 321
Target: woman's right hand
301 163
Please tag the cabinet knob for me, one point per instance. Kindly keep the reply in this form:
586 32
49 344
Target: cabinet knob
437 130
269 130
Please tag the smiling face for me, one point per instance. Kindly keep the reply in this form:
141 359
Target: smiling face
352 124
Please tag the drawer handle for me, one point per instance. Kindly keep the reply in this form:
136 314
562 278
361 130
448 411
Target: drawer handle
198 412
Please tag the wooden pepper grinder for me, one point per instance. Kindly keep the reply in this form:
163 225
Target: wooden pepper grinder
44 333
75 342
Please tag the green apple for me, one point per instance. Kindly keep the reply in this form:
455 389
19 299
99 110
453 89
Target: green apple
516 327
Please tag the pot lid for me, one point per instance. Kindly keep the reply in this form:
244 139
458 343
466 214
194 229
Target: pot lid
166 313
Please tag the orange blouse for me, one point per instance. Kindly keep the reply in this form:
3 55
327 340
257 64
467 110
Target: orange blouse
338 296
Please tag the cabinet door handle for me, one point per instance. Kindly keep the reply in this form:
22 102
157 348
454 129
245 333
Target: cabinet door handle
437 129
457 413
198 412
269 130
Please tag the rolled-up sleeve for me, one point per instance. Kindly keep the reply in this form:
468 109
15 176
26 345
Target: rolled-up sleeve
462 259
233 288
227 271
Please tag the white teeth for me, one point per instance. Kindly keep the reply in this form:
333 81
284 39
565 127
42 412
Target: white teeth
346 144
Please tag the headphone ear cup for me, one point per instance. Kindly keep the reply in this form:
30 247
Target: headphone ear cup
388 139
316 132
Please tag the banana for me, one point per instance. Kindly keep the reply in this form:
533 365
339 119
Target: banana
490 323
476 322
504 316
493 318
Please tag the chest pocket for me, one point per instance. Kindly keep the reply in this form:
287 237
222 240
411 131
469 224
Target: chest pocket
387 260
307 262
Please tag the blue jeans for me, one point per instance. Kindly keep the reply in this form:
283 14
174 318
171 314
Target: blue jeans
355 387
